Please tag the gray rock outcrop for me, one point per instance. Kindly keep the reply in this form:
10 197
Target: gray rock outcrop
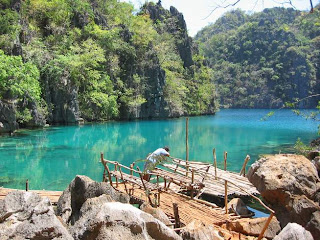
156 212
198 231
290 185
294 231
101 219
78 192
8 122
25 215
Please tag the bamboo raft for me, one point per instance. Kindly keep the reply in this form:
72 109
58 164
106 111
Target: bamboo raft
213 178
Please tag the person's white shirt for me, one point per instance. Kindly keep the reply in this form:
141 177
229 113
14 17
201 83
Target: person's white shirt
157 156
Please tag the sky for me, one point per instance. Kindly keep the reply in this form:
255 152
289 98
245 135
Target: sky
198 13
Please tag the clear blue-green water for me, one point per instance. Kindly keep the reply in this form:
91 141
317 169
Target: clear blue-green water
51 158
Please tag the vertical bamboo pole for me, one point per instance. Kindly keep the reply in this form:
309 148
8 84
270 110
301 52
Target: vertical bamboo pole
116 169
187 144
225 184
27 185
215 162
243 169
192 181
265 226
176 215
106 168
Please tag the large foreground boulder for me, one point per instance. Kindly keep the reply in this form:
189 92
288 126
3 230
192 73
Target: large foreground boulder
101 219
290 184
294 231
79 190
25 215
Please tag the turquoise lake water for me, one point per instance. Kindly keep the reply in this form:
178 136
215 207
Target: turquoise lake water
51 158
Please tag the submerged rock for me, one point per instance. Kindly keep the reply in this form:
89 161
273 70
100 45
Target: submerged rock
290 185
25 215
101 219
80 190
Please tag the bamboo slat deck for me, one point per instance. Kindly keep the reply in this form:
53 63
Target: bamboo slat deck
52 195
205 172
189 209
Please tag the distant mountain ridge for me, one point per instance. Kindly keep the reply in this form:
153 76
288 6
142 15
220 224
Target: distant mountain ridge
266 59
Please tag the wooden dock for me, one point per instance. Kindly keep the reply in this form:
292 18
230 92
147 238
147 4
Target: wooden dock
52 195
189 209
213 178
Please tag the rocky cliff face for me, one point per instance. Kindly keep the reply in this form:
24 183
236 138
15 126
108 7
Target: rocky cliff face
176 25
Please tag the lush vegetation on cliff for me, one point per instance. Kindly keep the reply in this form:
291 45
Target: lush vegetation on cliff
95 59
265 59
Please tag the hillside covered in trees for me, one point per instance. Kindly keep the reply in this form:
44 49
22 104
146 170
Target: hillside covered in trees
265 59
62 61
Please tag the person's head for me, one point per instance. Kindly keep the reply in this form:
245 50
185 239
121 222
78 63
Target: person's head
166 148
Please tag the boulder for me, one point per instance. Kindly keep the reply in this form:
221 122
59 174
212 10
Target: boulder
25 215
294 231
198 231
237 206
101 219
290 185
79 190
254 226
156 212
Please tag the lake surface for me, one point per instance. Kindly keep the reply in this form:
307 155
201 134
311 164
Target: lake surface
51 158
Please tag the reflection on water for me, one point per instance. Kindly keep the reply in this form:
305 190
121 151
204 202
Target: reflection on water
51 158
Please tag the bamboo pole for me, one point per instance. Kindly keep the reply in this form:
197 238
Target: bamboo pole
225 184
176 215
145 188
27 185
265 226
215 162
187 144
107 168
124 182
243 169
192 181
116 169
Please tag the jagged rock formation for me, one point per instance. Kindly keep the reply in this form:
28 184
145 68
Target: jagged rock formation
291 186
101 219
25 215
78 192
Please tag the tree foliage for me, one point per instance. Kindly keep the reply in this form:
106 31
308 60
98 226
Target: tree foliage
111 61
264 59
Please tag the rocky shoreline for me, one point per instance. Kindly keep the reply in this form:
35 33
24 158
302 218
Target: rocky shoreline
288 183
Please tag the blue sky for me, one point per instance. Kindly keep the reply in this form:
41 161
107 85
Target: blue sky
197 12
